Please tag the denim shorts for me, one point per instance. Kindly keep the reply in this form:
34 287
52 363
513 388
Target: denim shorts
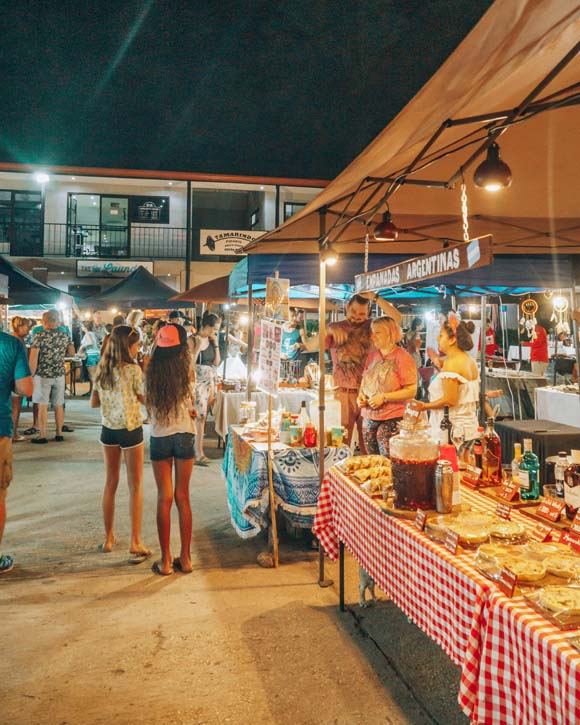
122 437
178 445
48 390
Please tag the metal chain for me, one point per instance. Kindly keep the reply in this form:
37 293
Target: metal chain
367 252
464 214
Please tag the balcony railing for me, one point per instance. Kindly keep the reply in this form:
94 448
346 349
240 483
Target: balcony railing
86 240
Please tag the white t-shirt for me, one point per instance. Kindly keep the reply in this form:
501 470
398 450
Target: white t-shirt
180 423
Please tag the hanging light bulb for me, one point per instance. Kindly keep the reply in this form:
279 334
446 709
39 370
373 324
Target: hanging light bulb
493 174
328 255
386 230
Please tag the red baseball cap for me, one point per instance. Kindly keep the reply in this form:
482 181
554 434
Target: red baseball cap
168 336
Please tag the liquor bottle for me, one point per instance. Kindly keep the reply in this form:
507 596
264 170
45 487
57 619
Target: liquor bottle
491 455
478 449
516 462
529 478
560 473
303 417
446 425
572 490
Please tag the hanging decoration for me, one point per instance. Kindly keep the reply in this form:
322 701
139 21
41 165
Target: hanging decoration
464 212
559 315
528 320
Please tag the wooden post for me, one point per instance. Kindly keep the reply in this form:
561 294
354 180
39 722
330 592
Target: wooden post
482 416
250 356
273 524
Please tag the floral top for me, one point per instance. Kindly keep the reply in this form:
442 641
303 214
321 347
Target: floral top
120 407
52 345
386 374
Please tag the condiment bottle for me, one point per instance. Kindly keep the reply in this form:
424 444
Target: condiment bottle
529 473
516 462
478 449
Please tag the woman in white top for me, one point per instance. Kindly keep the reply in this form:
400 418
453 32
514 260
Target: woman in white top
457 385
118 391
170 396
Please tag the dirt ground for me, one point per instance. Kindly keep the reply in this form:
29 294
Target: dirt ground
87 637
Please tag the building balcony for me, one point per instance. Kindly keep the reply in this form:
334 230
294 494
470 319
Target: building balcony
134 241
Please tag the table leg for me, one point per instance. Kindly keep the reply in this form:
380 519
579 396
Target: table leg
341 576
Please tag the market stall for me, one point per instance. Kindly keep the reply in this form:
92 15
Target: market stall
560 404
295 477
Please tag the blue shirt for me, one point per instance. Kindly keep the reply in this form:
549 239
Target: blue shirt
13 366
289 339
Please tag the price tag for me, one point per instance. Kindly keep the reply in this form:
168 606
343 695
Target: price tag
509 491
420 520
452 541
550 509
540 533
503 511
574 534
564 537
507 582
471 476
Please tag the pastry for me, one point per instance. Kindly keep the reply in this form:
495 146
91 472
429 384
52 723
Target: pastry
567 566
507 529
540 550
560 599
499 551
526 570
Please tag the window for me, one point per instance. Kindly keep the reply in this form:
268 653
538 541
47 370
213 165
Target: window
21 217
291 208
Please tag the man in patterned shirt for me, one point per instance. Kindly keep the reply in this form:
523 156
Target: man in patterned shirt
49 348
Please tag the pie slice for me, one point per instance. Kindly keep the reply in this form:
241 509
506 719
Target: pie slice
526 570
507 529
560 599
566 566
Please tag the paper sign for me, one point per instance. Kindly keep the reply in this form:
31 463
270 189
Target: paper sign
269 360
507 582
550 509
277 294
452 541
574 535
471 476
503 511
420 520
540 533
564 537
509 491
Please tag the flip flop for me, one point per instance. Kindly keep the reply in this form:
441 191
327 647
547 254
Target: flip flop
67 429
156 569
140 557
39 440
30 431
177 566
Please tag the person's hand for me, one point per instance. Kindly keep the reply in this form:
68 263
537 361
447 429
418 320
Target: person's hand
362 400
339 335
213 338
377 400
418 405
367 295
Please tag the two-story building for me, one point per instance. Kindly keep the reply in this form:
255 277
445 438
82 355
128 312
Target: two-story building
80 229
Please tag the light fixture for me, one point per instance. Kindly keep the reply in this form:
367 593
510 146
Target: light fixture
73 178
328 255
62 272
87 315
113 310
493 174
244 319
386 230
41 177
170 183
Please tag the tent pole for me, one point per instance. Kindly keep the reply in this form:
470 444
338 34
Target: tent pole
188 238
575 331
482 416
250 357
322 581
226 346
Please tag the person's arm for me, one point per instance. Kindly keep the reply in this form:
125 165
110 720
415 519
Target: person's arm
384 306
70 351
95 400
450 396
138 386
23 383
33 359
216 350
24 386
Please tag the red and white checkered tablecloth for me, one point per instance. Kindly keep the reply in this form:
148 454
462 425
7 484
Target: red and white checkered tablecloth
458 608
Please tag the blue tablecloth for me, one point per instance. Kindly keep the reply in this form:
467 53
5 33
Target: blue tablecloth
296 482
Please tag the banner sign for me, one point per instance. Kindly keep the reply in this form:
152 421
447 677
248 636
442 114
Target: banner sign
269 360
109 267
458 258
3 285
224 242
277 296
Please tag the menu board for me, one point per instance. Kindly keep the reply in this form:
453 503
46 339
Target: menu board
269 359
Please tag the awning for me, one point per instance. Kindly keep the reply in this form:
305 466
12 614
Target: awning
139 290
25 290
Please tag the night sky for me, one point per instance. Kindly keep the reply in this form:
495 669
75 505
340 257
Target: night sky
295 88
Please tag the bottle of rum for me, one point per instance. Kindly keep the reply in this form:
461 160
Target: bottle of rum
529 473
446 425
491 455
516 462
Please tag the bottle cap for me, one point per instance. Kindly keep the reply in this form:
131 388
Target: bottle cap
527 444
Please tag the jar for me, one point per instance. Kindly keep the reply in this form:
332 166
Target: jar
310 436
414 454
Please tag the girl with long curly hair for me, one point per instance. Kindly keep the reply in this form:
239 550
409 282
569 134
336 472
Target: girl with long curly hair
118 391
170 398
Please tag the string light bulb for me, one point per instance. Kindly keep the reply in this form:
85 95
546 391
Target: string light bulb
328 255
493 174
386 230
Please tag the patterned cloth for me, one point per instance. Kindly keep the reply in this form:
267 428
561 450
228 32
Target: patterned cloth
13 366
377 435
349 358
296 482
52 346
386 374
515 666
120 407
205 388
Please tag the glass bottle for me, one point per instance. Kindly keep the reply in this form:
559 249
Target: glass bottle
560 473
491 455
516 462
446 425
303 417
529 473
572 490
478 449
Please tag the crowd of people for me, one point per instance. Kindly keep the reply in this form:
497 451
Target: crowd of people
162 372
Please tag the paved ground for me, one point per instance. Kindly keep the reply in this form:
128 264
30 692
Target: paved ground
88 638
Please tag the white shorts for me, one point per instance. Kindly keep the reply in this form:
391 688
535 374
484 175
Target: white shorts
48 390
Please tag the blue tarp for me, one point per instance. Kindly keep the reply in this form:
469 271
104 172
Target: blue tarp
517 274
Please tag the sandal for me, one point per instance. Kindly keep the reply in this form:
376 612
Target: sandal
30 431
39 440
156 569
6 563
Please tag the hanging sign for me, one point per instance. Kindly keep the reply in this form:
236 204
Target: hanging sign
458 258
269 360
109 268
277 295
225 242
